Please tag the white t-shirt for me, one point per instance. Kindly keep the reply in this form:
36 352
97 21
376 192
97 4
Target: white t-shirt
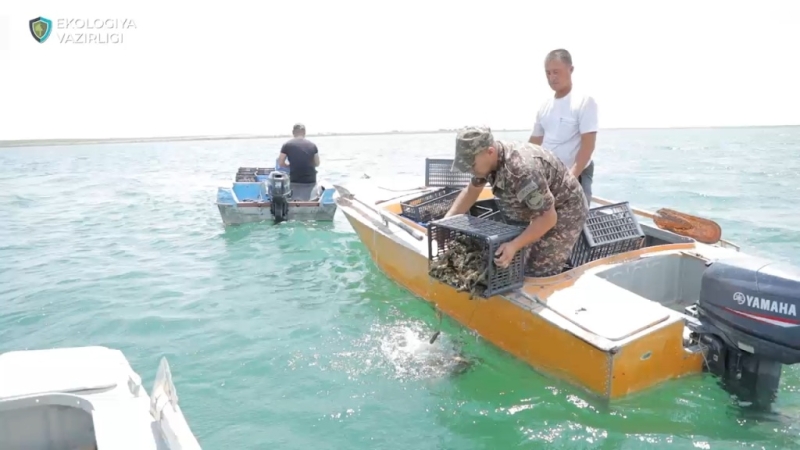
562 121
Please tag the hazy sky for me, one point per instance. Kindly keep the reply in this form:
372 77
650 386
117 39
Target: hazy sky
258 66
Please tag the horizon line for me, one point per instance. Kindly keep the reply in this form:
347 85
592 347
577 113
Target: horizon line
173 138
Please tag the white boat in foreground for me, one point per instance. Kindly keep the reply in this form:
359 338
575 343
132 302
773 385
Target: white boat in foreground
84 398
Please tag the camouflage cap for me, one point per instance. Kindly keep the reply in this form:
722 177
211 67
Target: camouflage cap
469 142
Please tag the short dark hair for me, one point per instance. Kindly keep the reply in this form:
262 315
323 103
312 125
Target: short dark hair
298 127
561 55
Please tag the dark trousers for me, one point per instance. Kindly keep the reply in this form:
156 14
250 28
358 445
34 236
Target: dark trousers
585 179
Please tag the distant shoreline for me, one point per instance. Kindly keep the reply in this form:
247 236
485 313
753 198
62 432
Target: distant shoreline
139 140
134 140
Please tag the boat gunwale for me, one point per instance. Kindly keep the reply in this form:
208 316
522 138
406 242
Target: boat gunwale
391 204
293 204
535 281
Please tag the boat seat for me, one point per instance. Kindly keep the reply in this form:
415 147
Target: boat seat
605 309
305 192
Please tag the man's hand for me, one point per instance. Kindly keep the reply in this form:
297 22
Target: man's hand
505 253
467 197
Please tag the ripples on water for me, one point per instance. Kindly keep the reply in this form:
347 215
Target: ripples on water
288 336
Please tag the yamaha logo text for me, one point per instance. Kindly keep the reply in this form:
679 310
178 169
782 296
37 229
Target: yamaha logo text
764 304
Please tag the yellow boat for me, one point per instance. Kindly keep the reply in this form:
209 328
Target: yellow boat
615 325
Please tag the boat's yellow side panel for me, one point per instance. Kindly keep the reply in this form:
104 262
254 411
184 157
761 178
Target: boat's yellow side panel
541 344
652 359
643 363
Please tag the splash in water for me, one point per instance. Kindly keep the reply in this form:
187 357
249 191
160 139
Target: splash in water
403 351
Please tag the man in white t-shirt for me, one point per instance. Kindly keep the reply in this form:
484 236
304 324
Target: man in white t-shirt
566 124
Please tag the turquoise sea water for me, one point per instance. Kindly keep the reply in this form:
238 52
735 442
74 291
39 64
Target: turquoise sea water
289 337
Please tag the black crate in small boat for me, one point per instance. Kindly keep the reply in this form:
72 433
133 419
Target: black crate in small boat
491 234
609 230
431 206
438 173
245 175
245 178
264 170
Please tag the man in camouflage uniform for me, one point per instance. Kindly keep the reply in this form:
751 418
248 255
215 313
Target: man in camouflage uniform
533 188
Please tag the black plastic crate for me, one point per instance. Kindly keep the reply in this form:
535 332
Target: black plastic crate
264 170
246 174
487 209
609 230
438 173
431 206
489 234
245 178
480 211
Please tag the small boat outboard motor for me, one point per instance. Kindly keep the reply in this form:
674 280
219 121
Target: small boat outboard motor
279 190
749 327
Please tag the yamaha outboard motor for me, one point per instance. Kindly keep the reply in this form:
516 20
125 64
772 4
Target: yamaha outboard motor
749 324
279 190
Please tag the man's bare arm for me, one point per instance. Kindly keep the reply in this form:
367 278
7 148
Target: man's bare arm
537 134
467 197
588 128
584 153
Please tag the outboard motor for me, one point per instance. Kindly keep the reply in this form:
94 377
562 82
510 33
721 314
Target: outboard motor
279 190
749 324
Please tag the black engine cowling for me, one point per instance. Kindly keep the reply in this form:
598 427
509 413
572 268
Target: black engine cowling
755 304
748 310
279 190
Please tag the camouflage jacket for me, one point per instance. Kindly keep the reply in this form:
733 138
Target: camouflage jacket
529 180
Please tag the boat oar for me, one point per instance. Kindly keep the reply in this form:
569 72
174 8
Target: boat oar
405 190
698 228
406 194
349 196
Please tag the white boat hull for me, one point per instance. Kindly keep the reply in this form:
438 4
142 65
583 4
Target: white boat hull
86 398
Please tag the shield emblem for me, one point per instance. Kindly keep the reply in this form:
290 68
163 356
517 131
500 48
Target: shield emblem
40 28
